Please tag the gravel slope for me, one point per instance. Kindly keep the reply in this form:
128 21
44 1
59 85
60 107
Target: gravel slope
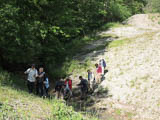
133 80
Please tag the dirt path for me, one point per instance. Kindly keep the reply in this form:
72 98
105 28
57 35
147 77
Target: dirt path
133 81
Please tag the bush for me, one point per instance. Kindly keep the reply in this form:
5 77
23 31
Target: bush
5 78
62 112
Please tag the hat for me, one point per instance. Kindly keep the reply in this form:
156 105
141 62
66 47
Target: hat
33 65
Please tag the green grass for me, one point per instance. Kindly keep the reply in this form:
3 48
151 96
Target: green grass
17 104
133 83
111 118
125 41
76 67
118 43
111 25
108 36
129 115
118 111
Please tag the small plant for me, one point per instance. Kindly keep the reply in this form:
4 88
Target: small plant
102 90
118 111
132 83
129 115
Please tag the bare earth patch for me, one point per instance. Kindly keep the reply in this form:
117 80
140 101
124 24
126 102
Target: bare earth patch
133 79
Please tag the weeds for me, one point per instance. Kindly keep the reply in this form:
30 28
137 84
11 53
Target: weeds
17 104
118 111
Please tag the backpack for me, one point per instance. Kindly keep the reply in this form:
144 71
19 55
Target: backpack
40 80
104 63
85 83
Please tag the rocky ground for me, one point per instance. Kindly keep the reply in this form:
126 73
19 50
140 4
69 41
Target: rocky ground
133 79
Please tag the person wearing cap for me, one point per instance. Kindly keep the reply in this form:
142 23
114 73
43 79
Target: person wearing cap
32 74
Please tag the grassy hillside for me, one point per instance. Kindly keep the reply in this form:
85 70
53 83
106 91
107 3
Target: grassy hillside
17 104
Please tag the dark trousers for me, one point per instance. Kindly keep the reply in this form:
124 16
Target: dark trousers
30 86
40 89
45 92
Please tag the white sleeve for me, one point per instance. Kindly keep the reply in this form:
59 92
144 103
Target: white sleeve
27 71
93 75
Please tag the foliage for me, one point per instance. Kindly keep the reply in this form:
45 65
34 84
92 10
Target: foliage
62 112
16 104
5 78
49 32
153 6
111 25
119 10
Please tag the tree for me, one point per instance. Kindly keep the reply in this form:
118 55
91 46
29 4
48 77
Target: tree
46 32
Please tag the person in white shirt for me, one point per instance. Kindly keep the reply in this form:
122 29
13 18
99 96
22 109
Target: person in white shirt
32 74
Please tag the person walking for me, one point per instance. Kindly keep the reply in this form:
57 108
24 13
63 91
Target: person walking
40 80
68 86
83 86
59 89
102 63
98 73
91 79
32 74
46 85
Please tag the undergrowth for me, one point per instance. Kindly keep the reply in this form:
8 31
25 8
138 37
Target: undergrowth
18 104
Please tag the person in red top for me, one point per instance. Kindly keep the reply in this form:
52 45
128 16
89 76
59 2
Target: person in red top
68 84
98 73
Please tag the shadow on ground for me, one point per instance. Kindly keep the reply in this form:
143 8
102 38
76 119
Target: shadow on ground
87 104
94 49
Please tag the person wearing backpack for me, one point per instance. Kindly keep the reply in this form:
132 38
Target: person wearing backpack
102 63
40 80
46 85
83 86
32 74
59 89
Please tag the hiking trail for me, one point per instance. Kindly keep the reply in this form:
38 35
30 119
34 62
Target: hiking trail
131 87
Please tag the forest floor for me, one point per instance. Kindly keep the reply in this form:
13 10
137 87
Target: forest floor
130 90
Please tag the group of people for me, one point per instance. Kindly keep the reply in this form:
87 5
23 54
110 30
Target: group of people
63 87
37 80
94 77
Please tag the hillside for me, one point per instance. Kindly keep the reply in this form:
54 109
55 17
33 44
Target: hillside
130 90
17 104
132 82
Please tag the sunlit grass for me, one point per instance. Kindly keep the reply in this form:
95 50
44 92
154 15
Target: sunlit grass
18 104
111 25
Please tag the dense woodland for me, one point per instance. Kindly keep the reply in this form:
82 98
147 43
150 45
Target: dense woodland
50 32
